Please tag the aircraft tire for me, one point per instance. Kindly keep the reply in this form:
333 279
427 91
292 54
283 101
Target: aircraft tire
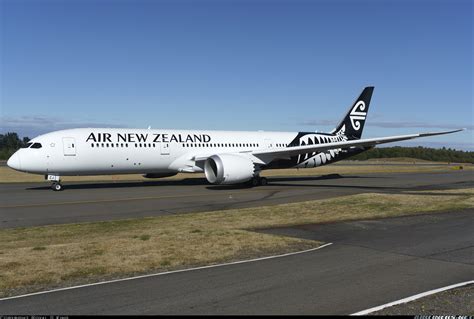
57 187
255 181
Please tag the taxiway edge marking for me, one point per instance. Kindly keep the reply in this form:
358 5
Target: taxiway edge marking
412 298
166 273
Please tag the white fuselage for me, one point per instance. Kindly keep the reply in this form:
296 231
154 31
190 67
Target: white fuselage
92 151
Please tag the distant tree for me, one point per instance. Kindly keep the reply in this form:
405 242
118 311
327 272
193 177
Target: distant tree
424 153
10 143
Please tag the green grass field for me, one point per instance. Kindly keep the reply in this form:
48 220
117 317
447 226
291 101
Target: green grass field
37 258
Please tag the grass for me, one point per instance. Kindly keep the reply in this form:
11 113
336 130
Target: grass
80 253
8 175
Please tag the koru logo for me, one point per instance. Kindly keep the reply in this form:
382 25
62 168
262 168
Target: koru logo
358 114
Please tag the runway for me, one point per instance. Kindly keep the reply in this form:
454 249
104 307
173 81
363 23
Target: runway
370 263
35 204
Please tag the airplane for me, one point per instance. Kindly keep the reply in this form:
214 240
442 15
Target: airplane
225 157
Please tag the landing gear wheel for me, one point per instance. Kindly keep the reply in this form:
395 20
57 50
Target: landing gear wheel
254 182
263 181
57 187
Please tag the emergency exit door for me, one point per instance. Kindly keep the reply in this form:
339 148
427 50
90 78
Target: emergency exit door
165 148
69 146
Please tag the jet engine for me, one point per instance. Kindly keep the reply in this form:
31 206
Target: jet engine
228 169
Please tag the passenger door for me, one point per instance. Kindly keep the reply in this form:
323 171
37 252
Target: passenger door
69 146
165 148
268 143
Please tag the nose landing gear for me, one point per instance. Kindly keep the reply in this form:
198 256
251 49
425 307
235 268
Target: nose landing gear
56 185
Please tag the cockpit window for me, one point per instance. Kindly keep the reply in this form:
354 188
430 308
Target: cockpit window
27 145
36 145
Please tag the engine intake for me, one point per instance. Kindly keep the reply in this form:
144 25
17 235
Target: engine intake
228 169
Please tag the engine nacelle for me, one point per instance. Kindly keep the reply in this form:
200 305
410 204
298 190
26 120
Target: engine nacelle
228 169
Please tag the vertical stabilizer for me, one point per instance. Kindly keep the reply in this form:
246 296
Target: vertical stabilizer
353 123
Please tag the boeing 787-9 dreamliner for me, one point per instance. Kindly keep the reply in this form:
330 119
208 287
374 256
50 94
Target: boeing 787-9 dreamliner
225 157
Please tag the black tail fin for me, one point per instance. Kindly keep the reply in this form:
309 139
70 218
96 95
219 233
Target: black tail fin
353 123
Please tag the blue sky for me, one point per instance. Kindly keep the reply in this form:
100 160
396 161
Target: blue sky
238 65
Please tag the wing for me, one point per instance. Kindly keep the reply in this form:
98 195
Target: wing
270 154
264 156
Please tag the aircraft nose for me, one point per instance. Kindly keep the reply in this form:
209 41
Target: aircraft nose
14 161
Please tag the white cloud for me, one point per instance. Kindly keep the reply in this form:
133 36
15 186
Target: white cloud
32 126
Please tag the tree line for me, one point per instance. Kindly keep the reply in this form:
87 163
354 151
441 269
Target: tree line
10 142
424 153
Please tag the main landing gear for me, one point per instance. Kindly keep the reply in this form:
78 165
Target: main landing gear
258 181
56 185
